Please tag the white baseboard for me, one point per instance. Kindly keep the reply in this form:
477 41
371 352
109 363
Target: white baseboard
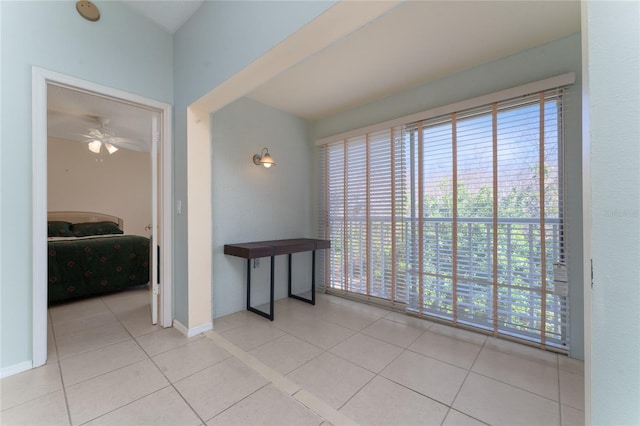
15 369
181 328
190 332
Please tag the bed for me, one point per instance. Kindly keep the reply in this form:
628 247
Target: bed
88 254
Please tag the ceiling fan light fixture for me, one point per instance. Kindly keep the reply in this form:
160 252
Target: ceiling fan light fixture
110 148
94 146
99 137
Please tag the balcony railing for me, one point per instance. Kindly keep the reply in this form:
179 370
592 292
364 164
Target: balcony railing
519 269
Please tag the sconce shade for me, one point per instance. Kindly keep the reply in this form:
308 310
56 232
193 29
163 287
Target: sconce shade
267 161
264 159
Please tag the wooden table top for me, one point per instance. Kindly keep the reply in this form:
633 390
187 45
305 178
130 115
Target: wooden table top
256 249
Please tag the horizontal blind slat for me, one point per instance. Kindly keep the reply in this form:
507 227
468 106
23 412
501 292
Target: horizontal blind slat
518 274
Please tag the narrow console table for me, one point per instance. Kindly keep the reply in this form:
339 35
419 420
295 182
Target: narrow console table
271 249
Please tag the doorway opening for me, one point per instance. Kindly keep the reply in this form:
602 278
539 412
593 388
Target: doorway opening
158 147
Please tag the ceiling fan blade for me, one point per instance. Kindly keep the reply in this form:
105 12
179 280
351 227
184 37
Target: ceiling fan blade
94 134
130 144
104 136
55 113
112 139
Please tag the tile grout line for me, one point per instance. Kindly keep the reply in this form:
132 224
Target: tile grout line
407 349
370 380
322 409
437 359
125 405
236 403
271 375
311 343
282 383
101 298
150 358
301 394
515 387
410 389
357 365
559 393
64 389
88 351
511 384
59 359
498 381
463 382
482 347
140 361
389 343
324 351
172 385
264 343
351 362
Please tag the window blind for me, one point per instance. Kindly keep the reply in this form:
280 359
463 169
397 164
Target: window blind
458 217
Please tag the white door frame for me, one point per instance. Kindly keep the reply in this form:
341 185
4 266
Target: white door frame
153 249
40 79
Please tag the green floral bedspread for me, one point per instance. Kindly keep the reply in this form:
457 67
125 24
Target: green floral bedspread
97 265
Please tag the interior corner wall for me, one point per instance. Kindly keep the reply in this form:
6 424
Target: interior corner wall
253 203
613 66
548 60
118 184
219 40
199 222
123 51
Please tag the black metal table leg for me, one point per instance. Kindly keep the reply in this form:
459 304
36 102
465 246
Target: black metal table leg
289 291
248 284
250 308
313 281
313 277
273 268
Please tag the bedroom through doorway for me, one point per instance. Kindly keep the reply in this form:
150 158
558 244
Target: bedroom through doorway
107 216
99 216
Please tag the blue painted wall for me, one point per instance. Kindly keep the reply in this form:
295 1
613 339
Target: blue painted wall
251 203
222 38
130 53
613 66
122 51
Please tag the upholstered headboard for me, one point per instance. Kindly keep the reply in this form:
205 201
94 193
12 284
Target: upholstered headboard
80 217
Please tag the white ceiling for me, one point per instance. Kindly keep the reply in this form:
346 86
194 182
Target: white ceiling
169 14
71 113
414 43
417 42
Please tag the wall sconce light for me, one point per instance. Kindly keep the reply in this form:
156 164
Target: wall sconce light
263 158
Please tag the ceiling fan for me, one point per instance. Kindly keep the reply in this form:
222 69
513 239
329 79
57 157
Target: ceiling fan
101 136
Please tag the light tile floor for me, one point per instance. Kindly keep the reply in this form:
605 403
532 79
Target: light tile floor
339 362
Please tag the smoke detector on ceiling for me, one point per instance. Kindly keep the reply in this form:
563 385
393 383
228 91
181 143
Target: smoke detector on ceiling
88 10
